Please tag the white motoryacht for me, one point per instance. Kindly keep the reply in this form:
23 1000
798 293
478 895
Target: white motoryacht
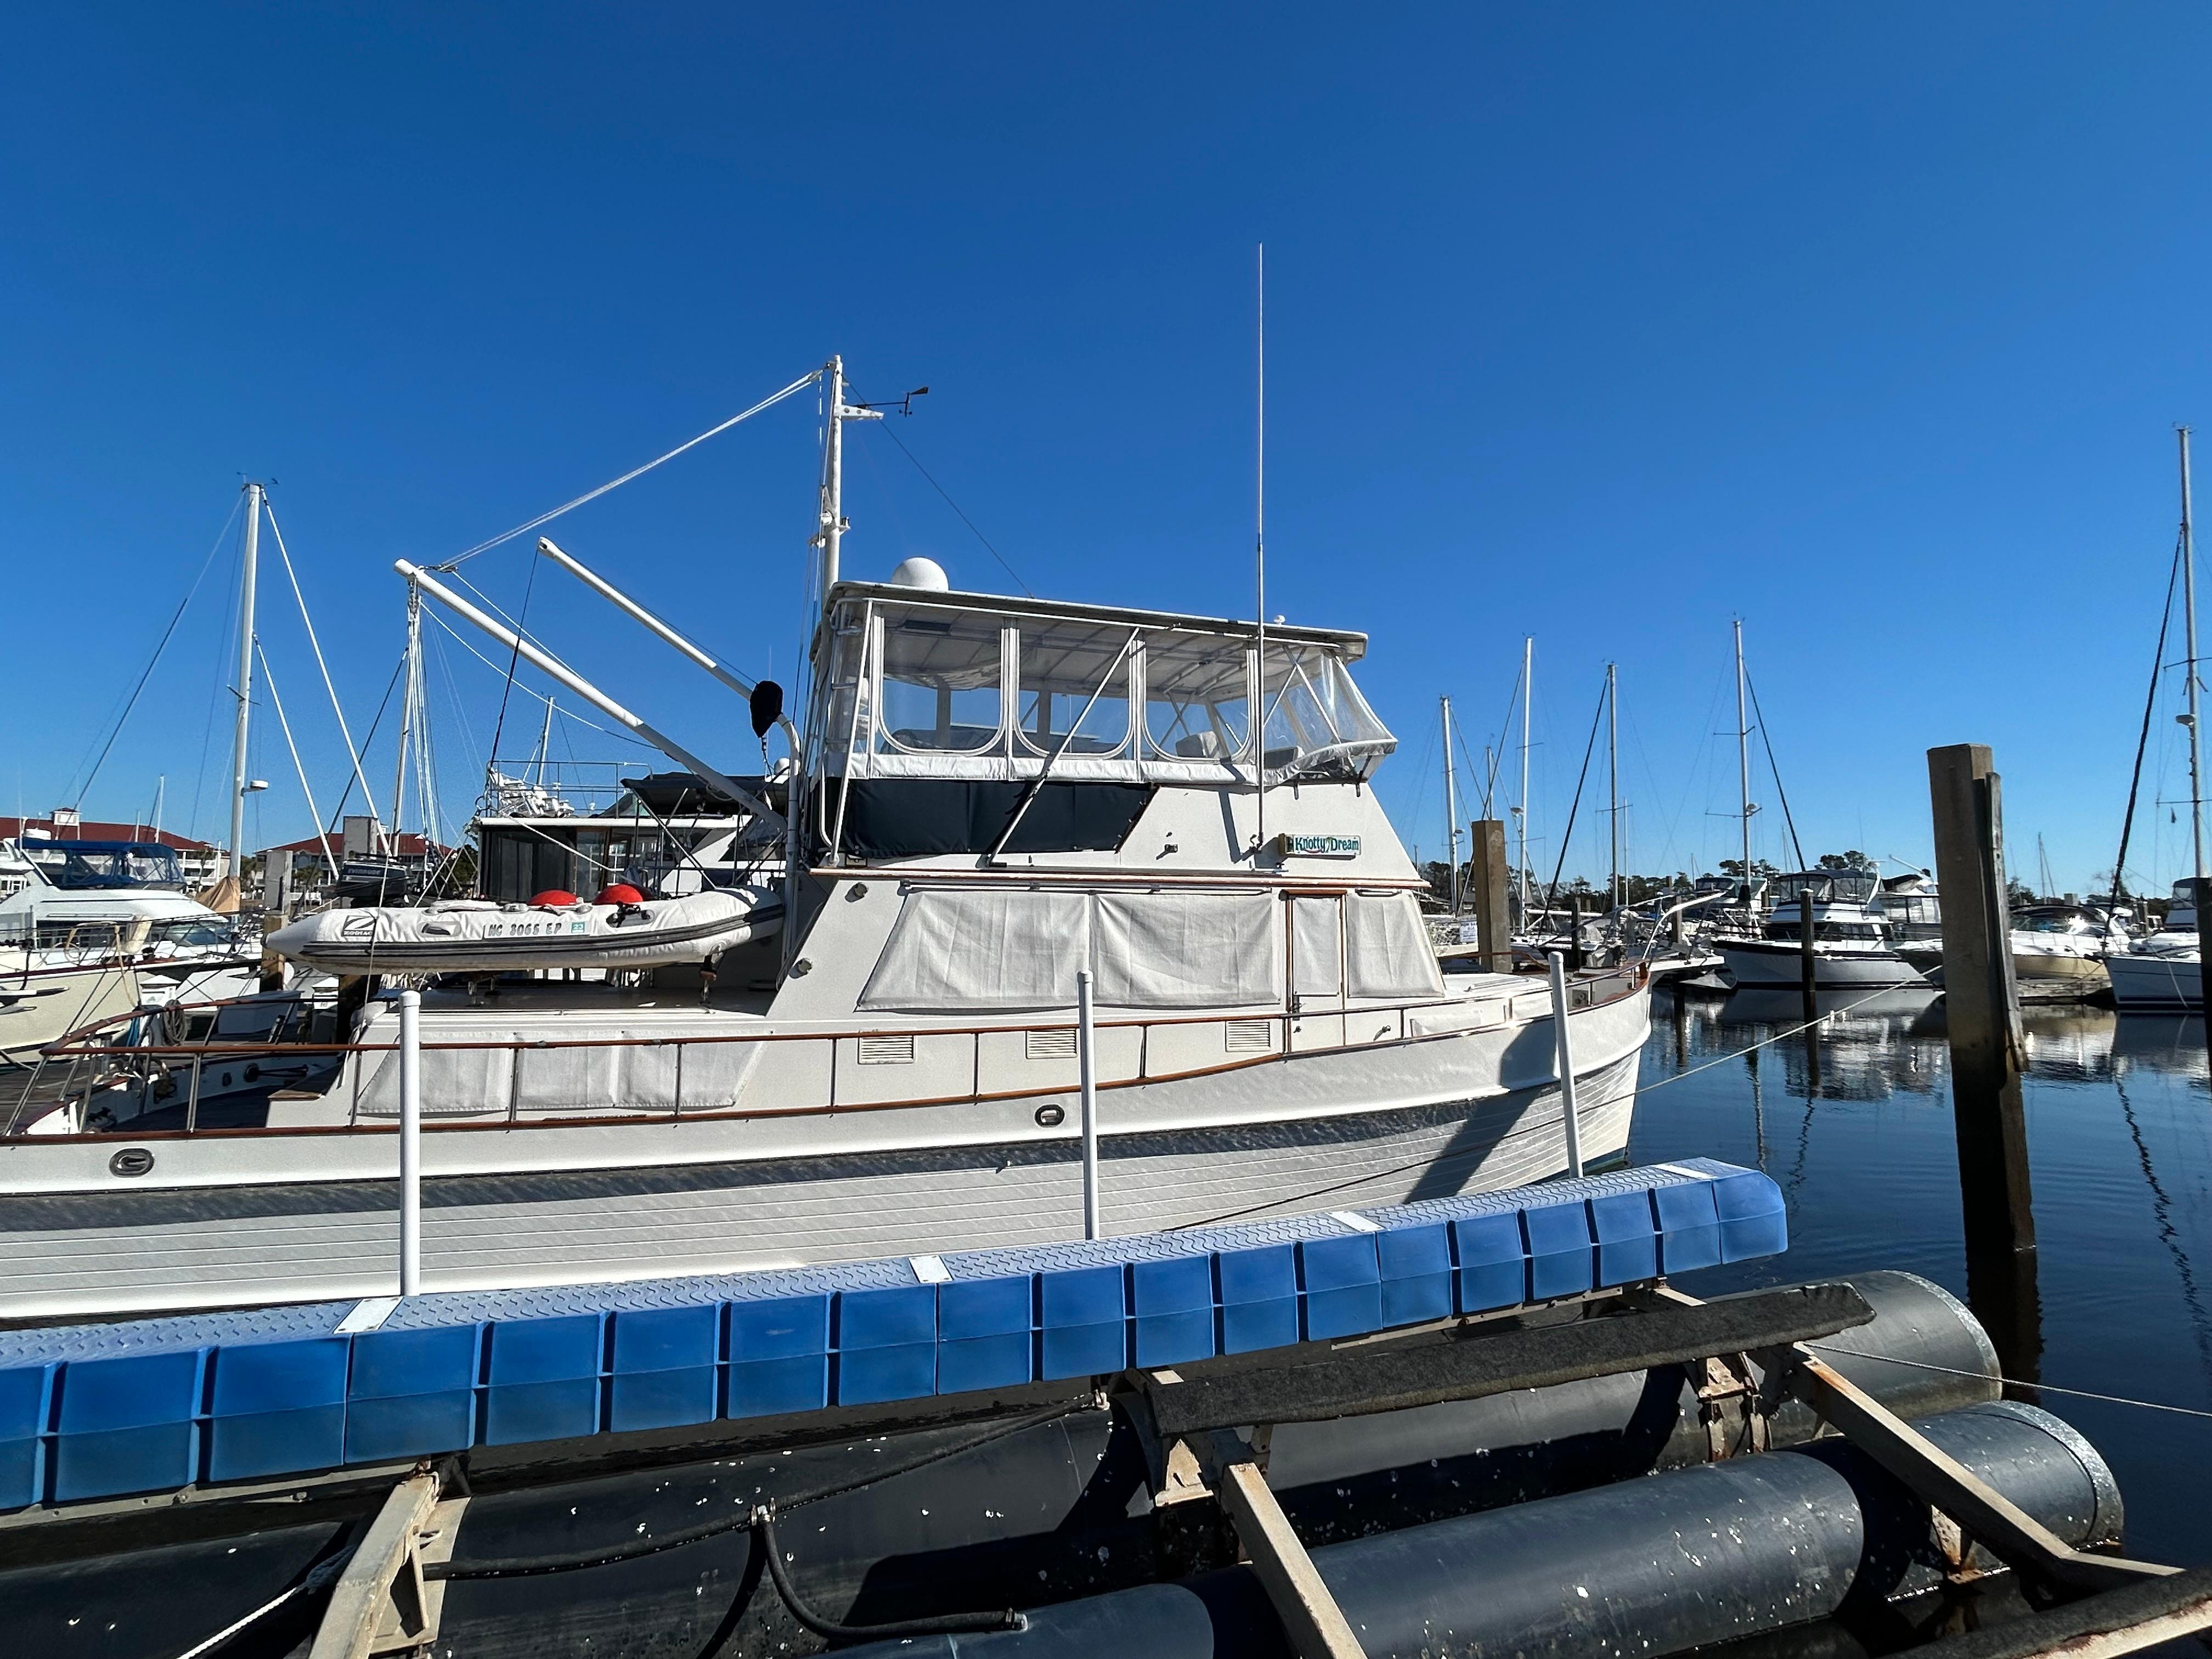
92 929
1850 945
994 799
2161 970
2056 947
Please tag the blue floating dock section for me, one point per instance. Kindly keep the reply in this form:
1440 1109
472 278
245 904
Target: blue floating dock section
109 1410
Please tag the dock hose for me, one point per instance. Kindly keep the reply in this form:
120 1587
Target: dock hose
760 1518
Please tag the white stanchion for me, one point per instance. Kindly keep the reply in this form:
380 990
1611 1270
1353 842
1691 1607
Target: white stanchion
1087 1071
410 1142
1569 1115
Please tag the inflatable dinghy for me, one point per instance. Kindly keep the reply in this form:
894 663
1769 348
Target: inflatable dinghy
477 936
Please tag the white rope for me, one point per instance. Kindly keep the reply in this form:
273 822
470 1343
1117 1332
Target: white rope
322 840
771 399
315 645
2013 1381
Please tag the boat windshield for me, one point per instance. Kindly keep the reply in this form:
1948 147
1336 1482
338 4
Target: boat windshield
1829 886
80 864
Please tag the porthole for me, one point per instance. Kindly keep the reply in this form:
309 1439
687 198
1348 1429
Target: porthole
1051 1117
131 1161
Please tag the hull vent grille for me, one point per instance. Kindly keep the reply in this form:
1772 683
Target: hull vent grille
888 1050
1049 1045
1251 1036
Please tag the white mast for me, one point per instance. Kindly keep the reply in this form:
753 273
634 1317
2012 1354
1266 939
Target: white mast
410 677
1260 573
2189 606
238 778
1743 763
1451 806
1527 698
833 477
1612 762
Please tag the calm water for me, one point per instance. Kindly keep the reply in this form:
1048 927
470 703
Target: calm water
2119 1113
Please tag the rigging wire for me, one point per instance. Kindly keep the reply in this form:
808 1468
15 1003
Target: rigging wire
365 742
566 714
955 505
515 661
2142 741
1567 837
316 646
768 402
1780 794
277 702
132 701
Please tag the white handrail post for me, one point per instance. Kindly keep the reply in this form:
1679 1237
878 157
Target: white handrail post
1569 1116
1087 1071
410 1142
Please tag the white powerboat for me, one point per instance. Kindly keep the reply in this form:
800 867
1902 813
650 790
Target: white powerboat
993 797
1850 945
2161 970
90 929
2058 947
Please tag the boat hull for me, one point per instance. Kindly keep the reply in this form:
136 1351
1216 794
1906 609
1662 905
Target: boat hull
1757 962
39 1005
257 1217
2155 981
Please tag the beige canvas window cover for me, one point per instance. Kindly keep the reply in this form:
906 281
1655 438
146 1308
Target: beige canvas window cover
997 950
1387 947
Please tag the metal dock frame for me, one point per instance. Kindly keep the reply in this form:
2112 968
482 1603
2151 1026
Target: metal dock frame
1206 1436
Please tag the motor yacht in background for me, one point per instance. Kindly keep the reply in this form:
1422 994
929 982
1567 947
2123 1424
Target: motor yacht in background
2160 970
1850 945
1912 909
991 797
92 929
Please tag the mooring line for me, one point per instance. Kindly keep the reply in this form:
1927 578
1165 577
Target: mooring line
2015 1381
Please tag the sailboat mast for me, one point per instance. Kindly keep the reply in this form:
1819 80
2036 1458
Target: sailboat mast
238 778
1451 805
1744 761
410 678
1260 569
1613 766
1527 698
2188 614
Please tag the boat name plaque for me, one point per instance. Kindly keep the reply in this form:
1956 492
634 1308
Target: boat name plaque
1317 847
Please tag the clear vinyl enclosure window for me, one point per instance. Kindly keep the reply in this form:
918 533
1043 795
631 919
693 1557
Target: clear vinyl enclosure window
1197 696
940 672
1318 725
1073 693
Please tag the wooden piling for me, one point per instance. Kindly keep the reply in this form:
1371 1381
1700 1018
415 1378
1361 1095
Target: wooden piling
1982 1012
1493 916
1808 961
2203 892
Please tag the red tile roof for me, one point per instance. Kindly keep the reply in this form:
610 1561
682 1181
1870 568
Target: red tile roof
100 829
408 845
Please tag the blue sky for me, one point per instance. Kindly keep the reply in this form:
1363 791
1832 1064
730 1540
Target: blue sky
1602 324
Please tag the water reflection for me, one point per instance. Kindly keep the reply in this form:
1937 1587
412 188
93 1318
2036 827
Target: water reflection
1853 1122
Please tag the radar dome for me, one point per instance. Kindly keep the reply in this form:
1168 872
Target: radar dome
926 575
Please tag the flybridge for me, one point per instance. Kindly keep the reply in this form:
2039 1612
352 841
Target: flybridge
919 683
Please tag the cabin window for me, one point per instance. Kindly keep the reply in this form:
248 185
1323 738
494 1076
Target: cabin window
1073 698
1197 696
1387 948
939 675
1316 949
